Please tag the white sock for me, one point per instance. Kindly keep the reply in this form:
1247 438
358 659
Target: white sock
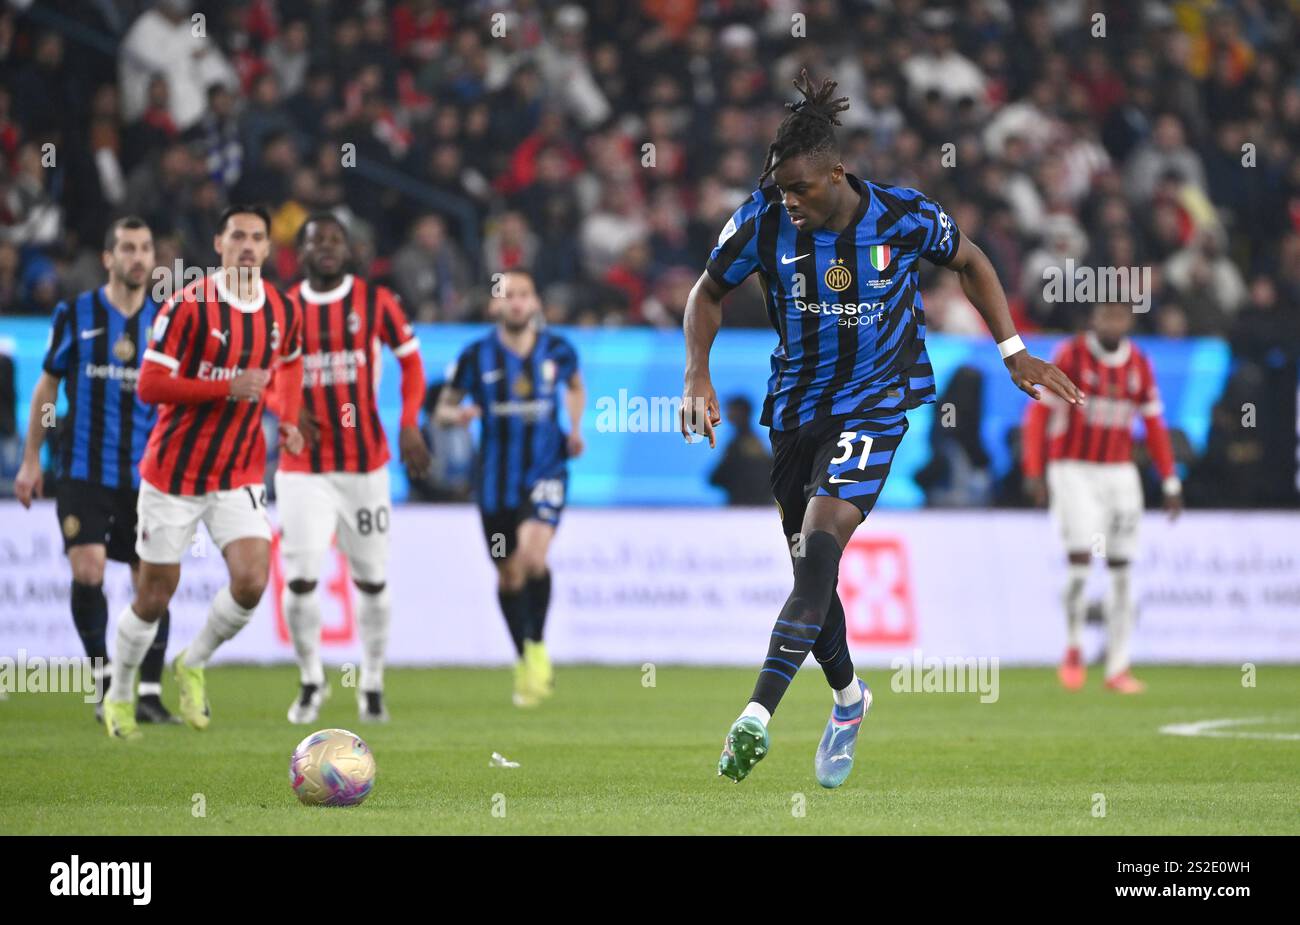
132 642
373 618
225 619
1119 622
849 695
302 613
754 708
1076 606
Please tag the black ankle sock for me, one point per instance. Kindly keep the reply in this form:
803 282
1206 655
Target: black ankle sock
90 614
514 605
151 669
797 628
832 648
538 591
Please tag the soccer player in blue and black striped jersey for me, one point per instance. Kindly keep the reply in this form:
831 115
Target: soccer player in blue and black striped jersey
96 342
512 377
837 257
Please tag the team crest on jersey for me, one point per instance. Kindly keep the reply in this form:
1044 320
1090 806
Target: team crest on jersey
837 277
354 322
522 386
71 526
881 254
124 349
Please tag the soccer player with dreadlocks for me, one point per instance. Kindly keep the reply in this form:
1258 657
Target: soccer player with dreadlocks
837 257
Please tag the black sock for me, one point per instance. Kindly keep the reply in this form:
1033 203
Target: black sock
514 605
801 619
832 647
90 614
539 602
151 669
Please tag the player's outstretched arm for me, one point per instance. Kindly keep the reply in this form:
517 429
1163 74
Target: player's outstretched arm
410 442
575 402
29 482
450 412
980 283
703 318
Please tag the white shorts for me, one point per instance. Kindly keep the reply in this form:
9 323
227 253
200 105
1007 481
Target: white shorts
315 506
167 522
1096 506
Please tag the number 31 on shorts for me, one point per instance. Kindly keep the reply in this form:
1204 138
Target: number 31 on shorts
846 441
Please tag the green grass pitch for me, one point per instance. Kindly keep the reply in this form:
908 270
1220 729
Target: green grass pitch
610 755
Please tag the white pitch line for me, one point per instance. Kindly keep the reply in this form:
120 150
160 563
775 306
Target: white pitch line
1221 729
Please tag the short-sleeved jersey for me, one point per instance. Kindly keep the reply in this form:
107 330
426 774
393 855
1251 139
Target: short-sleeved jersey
96 351
846 305
520 440
341 333
1119 386
205 333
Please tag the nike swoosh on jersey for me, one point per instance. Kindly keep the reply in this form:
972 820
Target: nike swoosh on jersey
785 259
836 480
94 332
795 651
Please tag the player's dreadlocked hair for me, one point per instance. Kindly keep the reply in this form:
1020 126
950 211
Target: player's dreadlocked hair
809 129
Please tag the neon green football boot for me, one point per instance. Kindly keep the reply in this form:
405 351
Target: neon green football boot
193 693
525 694
119 721
746 744
539 665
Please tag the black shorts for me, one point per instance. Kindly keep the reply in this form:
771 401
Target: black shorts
545 503
90 513
846 457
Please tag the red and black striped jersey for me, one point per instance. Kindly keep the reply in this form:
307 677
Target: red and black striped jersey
1118 386
206 333
342 331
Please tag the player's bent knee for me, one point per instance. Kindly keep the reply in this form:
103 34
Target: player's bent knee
532 565
246 587
87 564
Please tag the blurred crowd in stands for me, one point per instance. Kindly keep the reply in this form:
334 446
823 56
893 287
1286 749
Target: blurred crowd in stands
603 144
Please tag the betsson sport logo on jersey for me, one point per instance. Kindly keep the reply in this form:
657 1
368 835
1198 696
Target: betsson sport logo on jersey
851 313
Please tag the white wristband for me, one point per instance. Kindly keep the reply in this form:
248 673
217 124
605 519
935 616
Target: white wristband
1172 485
1012 344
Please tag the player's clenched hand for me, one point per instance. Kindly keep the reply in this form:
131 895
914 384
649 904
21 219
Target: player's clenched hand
574 445
415 455
1036 489
250 384
1173 504
29 484
308 426
700 412
291 438
1028 371
467 413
